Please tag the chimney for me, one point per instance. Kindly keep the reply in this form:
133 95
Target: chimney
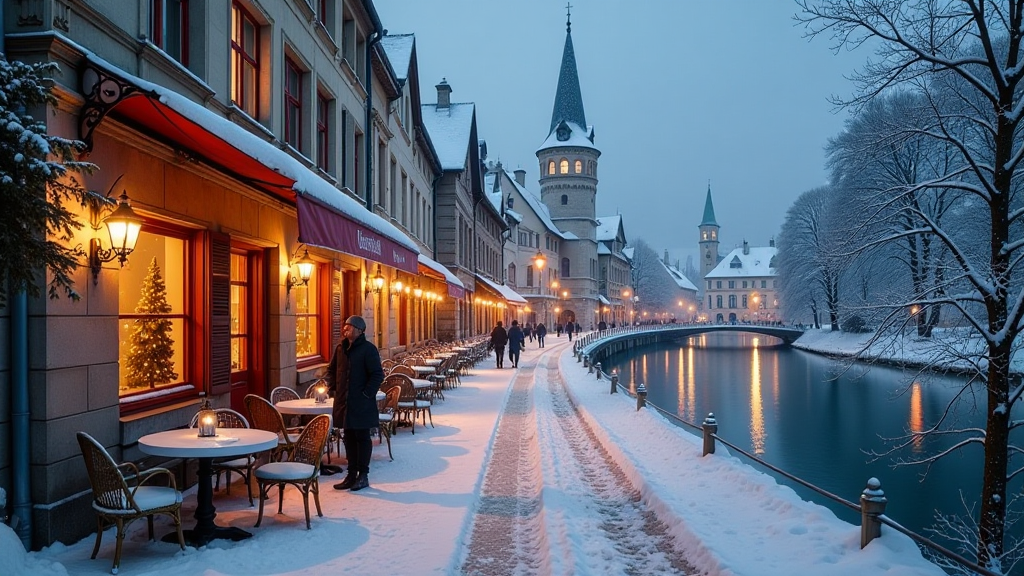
444 91
746 248
666 256
520 177
771 242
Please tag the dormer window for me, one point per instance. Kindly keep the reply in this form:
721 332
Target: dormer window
562 132
735 263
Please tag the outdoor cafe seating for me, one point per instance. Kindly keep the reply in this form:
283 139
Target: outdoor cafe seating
301 469
241 465
122 494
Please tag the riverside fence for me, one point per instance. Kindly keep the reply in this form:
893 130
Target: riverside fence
590 347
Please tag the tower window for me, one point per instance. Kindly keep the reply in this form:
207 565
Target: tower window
551 167
563 166
704 235
565 199
578 167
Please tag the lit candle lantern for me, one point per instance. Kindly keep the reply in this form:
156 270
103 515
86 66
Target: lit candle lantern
321 392
207 419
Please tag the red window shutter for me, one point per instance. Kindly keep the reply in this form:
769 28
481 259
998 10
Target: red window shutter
336 319
220 313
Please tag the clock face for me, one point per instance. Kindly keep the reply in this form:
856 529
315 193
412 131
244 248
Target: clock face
707 255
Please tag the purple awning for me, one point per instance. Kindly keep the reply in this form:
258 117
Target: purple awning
321 225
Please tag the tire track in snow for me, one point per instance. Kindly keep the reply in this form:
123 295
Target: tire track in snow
594 498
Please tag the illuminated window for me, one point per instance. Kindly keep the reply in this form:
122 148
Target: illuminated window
704 235
169 27
578 167
744 301
240 294
551 167
563 166
153 315
245 62
307 333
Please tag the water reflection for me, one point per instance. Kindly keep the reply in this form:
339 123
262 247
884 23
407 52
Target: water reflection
757 433
690 414
916 417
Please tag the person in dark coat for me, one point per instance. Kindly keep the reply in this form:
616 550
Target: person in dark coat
355 375
541 330
499 337
569 327
516 343
558 329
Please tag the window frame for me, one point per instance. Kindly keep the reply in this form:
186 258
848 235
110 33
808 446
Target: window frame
323 131
240 58
293 108
158 12
319 292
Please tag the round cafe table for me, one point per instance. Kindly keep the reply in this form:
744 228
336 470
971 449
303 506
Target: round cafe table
186 443
309 407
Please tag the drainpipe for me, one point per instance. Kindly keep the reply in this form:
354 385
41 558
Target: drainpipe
374 39
21 519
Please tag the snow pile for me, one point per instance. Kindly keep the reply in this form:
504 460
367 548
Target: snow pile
15 560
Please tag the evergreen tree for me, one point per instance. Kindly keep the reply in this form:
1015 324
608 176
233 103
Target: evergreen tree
35 184
151 349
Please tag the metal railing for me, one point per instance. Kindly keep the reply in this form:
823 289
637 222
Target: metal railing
872 499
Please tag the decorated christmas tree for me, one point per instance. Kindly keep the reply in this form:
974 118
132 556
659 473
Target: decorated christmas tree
149 361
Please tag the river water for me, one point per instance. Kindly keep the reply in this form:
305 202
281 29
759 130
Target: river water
817 419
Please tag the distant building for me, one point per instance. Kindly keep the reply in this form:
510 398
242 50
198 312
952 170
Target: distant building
685 299
744 286
614 280
708 239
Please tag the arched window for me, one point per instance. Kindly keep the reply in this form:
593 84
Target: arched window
565 199
578 167
564 272
704 235
713 234
551 167
563 166
718 301
732 300
512 274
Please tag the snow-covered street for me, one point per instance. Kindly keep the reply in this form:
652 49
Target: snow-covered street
535 471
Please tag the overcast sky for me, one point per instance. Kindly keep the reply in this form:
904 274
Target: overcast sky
680 92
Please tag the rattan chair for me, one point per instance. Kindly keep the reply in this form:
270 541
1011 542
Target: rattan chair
121 495
263 416
387 364
301 469
282 393
387 414
242 465
408 403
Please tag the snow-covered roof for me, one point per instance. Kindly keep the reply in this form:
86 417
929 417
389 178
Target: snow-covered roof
608 227
756 262
570 236
628 252
602 249
539 208
398 47
442 269
306 181
507 293
578 137
682 281
450 129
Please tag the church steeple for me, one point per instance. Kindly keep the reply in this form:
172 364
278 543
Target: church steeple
709 211
568 98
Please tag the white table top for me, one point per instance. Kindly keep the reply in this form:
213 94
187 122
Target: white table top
433 362
423 369
305 406
461 348
228 442
419 383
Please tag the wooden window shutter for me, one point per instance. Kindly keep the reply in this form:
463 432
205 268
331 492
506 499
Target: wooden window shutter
220 313
336 311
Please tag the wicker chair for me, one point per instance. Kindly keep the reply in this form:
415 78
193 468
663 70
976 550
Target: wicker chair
388 413
387 364
408 403
301 469
282 393
117 502
242 465
263 416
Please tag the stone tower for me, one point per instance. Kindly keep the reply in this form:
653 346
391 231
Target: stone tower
708 238
568 186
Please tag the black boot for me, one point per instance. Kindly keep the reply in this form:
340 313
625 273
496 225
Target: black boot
348 482
362 481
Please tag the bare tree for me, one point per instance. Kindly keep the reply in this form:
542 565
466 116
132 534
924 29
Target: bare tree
807 262
964 58
651 282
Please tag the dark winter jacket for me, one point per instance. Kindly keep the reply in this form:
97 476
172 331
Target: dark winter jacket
516 339
355 374
499 337
570 327
541 330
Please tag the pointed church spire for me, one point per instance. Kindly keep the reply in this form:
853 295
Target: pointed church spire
568 98
709 211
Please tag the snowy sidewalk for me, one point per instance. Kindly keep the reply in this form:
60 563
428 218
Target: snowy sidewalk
417 516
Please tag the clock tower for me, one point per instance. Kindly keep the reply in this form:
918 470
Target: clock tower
708 238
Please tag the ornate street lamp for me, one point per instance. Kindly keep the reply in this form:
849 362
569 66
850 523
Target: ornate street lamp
123 226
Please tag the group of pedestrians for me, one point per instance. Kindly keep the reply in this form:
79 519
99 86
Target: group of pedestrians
515 338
